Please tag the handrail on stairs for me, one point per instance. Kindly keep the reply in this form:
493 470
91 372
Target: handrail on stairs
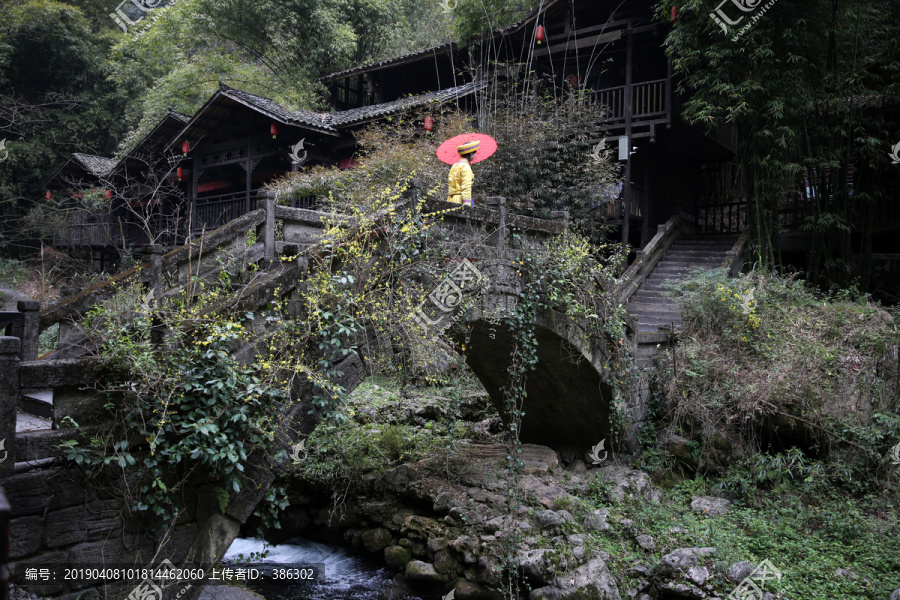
648 257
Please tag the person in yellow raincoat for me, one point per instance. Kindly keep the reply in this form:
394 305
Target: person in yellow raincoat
459 182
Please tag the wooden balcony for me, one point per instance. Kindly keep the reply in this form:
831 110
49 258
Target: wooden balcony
650 102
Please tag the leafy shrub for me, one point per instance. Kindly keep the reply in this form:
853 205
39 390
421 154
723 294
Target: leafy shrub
776 372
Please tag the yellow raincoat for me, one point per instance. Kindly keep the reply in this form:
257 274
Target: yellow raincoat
459 183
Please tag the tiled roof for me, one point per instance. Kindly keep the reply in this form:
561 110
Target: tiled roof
96 165
435 50
303 117
384 63
346 118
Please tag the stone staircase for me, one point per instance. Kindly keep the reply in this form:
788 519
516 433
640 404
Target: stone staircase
650 304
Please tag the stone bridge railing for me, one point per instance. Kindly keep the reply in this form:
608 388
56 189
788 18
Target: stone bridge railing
58 517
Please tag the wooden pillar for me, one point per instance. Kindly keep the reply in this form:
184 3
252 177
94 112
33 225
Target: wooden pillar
626 191
195 184
249 169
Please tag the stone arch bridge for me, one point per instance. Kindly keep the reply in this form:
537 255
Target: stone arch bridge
57 519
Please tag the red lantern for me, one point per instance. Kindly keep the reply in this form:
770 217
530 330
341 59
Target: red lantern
273 128
429 123
108 194
185 147
539 34
48 195
180 173
673 16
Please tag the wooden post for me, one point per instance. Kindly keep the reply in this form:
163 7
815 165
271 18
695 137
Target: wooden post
629 101
195 185
249 186
9 402
31 329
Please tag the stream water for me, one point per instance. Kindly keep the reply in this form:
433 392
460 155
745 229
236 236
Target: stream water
341 573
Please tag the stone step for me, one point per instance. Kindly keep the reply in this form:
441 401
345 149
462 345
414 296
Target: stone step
659 317
656 298
643 295
32 446
682 258
690 245
37 403
642 308
672 269
651 328
696 239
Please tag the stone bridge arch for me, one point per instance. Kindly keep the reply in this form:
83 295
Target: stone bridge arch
569 398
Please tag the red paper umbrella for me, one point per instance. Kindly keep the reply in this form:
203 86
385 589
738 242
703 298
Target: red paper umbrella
447 152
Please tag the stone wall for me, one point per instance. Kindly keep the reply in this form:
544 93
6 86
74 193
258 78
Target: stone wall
63 519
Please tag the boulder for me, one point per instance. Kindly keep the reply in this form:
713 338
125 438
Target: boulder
679 573
710 505
446 564
466 590
548 520
467 547
376 540
577 466
596 521
591 580
646 542
626 482
397 556
739 571
417 570
538 565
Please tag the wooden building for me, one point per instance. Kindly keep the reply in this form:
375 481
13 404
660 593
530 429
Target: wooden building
612 51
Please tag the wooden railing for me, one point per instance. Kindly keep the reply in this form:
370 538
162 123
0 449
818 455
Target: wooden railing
649 99
713 219
616 208
85 234
214 211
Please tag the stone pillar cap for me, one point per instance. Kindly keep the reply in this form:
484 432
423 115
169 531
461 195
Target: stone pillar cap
28 305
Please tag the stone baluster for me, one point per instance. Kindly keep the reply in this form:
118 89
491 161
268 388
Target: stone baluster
31 329
10 347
